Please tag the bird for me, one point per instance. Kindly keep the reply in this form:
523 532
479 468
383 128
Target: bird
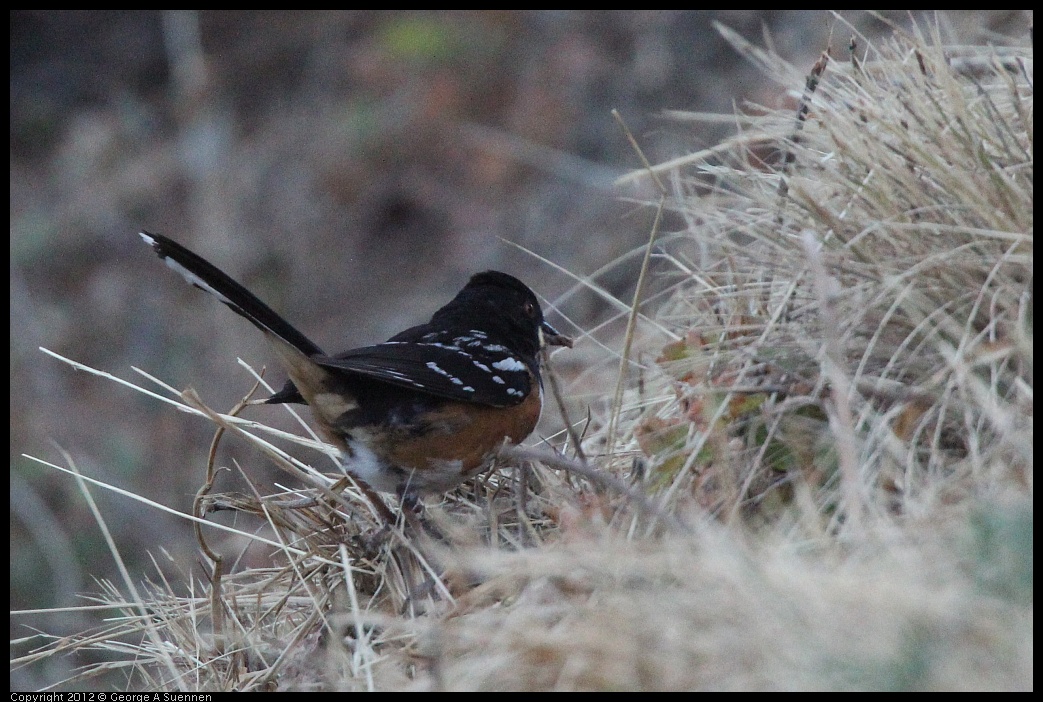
425 410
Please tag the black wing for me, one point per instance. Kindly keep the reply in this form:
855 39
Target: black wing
484 374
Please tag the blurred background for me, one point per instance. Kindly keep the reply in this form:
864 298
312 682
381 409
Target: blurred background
351 168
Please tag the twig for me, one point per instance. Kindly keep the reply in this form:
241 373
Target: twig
599 478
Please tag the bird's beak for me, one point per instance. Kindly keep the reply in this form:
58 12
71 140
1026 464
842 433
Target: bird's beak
549 336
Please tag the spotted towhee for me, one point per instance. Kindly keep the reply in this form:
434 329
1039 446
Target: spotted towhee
429 407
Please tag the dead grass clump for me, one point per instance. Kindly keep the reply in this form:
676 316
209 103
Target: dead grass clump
855 293
707 612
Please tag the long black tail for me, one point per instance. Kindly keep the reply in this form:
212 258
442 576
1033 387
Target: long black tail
206 276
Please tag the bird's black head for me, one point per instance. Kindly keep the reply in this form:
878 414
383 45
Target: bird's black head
504 308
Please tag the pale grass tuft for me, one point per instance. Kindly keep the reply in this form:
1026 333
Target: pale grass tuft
855 286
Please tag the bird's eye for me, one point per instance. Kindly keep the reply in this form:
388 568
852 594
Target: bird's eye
530 309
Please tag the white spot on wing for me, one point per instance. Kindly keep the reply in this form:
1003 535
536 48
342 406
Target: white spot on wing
437 369
509 364
447 347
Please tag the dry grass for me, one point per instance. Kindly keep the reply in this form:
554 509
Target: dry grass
824 481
